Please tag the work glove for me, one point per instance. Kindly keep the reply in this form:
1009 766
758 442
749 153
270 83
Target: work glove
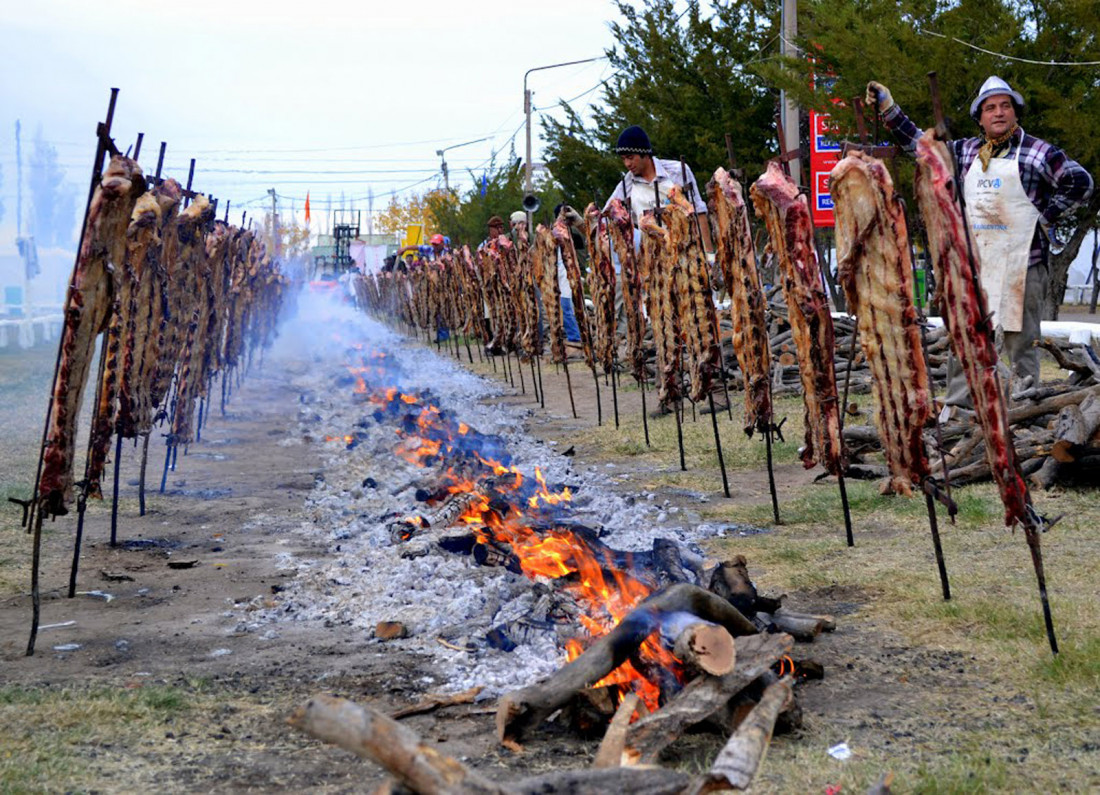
571 216
879 94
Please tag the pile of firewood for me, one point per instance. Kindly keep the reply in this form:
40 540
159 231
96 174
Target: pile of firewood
1055 428
742 683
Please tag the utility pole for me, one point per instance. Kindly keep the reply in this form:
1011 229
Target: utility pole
788 108
274 221
443 167
18 183
528 180
443 159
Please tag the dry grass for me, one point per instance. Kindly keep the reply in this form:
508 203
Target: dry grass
953 697
1016 718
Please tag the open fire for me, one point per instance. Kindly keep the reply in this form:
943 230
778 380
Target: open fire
553 619
520 516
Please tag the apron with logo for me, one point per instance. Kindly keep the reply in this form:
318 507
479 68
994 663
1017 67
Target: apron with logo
1003 220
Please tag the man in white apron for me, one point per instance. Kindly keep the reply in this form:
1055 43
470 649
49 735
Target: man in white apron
1015 187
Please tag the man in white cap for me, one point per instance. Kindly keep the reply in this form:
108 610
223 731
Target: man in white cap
1016 187
517 218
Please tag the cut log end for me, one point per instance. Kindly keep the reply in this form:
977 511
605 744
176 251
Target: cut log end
706 647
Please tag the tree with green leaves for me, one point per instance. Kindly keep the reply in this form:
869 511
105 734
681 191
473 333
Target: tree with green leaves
499 190
687 78
1035 46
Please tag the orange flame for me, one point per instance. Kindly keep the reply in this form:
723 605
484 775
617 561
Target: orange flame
604 590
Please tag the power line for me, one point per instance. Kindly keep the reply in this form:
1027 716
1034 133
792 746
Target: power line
346 172
1007 57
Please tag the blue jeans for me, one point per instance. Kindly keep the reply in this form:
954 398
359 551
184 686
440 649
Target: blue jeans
569 320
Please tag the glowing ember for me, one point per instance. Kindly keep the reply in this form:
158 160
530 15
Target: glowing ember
505 508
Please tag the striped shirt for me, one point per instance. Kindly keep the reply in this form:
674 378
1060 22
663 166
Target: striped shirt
1055 184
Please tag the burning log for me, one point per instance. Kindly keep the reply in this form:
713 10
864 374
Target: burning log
701 698
700 645
523 709
737 763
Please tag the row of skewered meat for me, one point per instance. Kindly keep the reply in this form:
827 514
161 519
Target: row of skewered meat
175 296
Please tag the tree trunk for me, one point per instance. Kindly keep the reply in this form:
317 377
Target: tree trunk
1060 262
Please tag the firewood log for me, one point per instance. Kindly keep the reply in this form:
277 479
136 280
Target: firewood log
368 733
523 709
802 629
1074 426
424 770
701 698
610 751
737 763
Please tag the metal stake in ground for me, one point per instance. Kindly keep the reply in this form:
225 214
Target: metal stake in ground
82 499
145 443
678 404
569 387
1032 523
930 505
641 383
141 476
114 490
785 157
612 331
843 413
738 175
36 601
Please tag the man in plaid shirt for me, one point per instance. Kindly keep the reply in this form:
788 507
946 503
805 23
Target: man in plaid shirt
1016 187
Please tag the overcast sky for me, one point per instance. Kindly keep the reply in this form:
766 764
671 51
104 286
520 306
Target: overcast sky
353 96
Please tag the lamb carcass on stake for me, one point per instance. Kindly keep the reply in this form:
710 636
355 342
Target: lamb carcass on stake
621 224
564 239
790 231
736 256
877 275
695 302
87 313
963 307
661 263
546 266
153 306
601 286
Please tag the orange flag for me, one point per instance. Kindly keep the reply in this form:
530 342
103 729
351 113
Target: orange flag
307 206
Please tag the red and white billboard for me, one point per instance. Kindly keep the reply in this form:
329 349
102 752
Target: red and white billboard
824 154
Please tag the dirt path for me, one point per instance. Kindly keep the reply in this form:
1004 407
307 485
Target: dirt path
237 506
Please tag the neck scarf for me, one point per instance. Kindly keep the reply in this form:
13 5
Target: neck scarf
985 152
